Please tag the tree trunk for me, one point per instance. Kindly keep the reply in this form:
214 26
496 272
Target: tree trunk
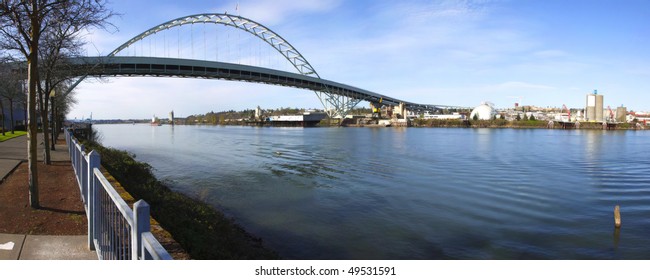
57 122
32 79
2 114
53 131
25 115
32 136
46 126
11 116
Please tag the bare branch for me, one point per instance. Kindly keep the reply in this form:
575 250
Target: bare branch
45 30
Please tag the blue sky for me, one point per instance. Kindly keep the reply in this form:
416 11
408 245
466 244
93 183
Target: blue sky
544 53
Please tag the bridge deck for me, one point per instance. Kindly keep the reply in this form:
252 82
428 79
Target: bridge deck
174 67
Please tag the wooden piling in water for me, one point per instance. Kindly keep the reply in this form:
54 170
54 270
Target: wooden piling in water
617 216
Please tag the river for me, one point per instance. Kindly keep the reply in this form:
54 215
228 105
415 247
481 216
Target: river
412 193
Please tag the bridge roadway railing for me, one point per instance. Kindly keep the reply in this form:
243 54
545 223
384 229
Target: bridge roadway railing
189 68
175 67
115 231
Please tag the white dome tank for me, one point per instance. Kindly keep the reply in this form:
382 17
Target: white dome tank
484 112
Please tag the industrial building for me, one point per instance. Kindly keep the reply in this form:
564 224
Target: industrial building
621 114
594 110
307 119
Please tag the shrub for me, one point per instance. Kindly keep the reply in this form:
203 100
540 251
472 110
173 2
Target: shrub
204 232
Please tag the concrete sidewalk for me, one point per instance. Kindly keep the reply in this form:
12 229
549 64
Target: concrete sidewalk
44 247
7 166
37 247
14 151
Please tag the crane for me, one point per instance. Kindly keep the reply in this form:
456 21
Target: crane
567 111
611 114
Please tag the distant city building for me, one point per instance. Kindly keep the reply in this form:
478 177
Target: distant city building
19 117
643 117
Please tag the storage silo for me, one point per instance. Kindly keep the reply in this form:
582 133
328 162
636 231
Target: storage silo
599 108
590 110
621 114
483 112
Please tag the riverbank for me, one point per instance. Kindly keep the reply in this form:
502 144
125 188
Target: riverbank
455 123
499 123
204 232
61 213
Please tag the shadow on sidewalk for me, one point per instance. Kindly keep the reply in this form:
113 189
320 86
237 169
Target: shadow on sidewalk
62 211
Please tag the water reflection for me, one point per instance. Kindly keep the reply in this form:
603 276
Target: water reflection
617 237
171 134
484 137
593 141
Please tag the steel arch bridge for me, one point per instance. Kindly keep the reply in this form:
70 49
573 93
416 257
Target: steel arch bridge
337 99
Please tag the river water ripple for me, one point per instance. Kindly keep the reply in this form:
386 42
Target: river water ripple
413 193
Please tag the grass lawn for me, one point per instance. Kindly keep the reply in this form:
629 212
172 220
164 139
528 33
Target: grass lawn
8 135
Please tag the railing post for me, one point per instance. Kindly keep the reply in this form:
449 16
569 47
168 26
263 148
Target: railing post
97 211
73 156
83 182
80 158
141 224
94 161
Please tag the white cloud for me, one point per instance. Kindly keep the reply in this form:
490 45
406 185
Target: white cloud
438 11
277 11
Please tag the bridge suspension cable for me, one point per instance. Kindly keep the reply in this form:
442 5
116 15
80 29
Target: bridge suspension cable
337 100
335 105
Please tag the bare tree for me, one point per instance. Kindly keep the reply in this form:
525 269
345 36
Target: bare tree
59 42
2 98
62 105
11 89
22 24
2 115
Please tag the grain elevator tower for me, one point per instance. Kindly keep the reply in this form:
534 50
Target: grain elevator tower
594 110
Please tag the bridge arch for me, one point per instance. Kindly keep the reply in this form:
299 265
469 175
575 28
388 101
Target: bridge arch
258 30
335 105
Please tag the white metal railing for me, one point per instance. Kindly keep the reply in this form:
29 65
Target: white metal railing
115 231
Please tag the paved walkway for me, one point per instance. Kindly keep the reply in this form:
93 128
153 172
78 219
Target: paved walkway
14 150
37 247
44 247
